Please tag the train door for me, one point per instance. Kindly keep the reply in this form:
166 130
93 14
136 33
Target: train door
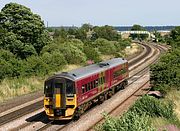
59 96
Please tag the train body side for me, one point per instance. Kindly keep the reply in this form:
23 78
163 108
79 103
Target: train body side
110 80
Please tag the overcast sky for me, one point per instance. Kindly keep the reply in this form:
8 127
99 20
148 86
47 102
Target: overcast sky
104 12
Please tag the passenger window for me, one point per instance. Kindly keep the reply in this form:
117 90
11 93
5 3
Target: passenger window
86 87
96 83
89 86
83 89
92 84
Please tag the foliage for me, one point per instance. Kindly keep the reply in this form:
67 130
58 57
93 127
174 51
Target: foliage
139 116
92 53
166 73
128 122
10 66
159 38
54 60
25 32
72 54
104 46
153 107
106 32
138 36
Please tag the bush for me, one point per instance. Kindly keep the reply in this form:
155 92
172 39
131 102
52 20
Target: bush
153 107
55 61
92 53
34 65
167 71
10 65
105 47
128 122
72 54
77 43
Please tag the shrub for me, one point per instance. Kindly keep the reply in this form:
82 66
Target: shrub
167 71
55 61
92 53
77 43
105 47
128 122
153 107
72 54
34 65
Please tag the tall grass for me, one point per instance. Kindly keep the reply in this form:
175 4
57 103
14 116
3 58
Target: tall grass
10 88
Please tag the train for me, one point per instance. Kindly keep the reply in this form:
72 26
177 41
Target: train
67 95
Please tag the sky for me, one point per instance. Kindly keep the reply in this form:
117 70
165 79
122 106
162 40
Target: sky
104 12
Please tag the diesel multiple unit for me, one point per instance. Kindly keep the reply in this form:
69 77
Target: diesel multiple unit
69 94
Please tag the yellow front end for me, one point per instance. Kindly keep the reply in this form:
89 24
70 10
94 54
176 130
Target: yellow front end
51 107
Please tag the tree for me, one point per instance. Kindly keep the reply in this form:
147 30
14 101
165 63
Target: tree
106 32
27 30
138 36
105 47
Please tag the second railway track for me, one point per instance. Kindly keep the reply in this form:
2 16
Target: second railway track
9 117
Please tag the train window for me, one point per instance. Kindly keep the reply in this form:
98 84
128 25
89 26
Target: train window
92 85
119 72
83 89
89 86
96 82
70 87
48 90
58 87
86 87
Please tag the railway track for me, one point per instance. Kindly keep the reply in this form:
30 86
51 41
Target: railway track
140 74
23 111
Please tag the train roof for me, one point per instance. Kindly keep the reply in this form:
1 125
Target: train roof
91 69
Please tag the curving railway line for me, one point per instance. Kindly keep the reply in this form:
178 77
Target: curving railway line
31 122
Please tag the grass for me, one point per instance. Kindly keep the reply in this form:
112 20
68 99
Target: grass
10 88
148 113
174 96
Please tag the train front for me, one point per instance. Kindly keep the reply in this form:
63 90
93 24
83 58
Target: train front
59 98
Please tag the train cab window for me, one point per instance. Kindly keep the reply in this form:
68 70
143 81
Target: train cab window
70 87
83 89
48 88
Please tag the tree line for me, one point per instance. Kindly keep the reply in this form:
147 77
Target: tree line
165 75
27 48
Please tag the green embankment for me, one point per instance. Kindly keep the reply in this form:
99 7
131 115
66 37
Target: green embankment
149 113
